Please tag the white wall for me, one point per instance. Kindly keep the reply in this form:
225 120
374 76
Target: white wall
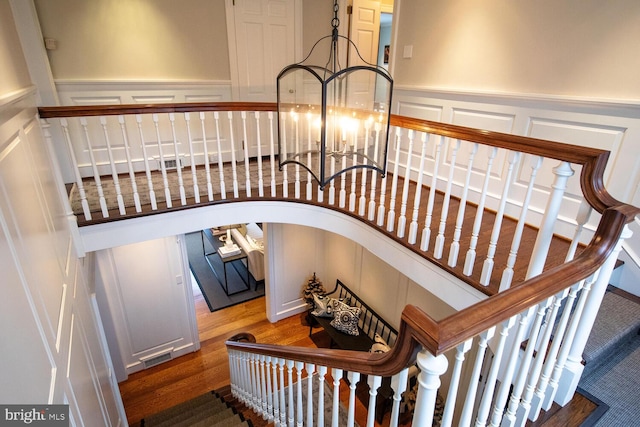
551 48
150 303
53 350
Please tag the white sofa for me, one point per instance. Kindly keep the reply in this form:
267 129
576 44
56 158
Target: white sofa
250 239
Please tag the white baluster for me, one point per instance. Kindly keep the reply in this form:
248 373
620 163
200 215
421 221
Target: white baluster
487 266
426 231
399 385
283 155
513 358
381 203
455 244
194 175
391 214
112 165
255 382
353 377
567 341
223 190
309 187
374 174
274 392
299 406
516 387
487 396
272 160
296 132
332 185
343 184
258 139
507 274
269 389
132 174
431 367
354 162
163 169
474 380
234 168
461 351
206 159
263 390
245 149
76 170
147 169
337 375
439 243
525 405
413 227
176 150
290 365
477 223
362 202
574 367
94 166
322 371
283 403
310 367
402 219
374 382
540 249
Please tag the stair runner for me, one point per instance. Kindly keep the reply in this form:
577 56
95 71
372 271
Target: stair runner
207 410
618 321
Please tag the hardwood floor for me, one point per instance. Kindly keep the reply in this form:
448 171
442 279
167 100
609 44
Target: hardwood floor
160 387
183 378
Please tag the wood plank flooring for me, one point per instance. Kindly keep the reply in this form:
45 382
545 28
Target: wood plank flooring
186 377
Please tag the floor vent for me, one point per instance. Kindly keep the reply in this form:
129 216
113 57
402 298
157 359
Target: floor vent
172 164
156 360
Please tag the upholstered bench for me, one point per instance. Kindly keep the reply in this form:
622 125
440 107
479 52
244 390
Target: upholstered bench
373 332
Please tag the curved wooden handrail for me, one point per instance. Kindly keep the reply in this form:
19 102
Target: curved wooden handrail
419 329
593 160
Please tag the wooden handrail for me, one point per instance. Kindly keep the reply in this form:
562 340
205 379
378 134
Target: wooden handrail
419 329
593 160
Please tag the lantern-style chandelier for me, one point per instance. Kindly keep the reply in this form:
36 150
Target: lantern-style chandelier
333 119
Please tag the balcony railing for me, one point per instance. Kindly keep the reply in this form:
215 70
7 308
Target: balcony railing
455 195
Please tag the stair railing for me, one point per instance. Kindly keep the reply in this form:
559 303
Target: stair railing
510 355
447 187
484 180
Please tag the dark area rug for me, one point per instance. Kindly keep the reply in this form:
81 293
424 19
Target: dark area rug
209 284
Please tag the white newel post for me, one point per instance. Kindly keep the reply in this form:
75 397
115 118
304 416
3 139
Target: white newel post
573 368
431 368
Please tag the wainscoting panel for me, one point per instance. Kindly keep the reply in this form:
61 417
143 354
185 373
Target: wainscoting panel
606 125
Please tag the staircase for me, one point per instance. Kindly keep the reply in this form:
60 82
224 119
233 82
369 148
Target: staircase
208 410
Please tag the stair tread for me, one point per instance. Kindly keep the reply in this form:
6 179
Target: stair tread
618 320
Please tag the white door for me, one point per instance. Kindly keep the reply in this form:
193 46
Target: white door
365 32
265 42
263 39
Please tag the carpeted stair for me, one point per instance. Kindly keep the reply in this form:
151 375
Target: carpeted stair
207 410
617 323
612 359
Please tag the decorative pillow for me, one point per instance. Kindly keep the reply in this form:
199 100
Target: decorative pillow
323 306
379 345
346 319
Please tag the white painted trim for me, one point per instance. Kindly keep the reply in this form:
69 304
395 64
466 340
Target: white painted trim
622 107
188 292
16 96
111 84
459 295
30 34
233 52
394 37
